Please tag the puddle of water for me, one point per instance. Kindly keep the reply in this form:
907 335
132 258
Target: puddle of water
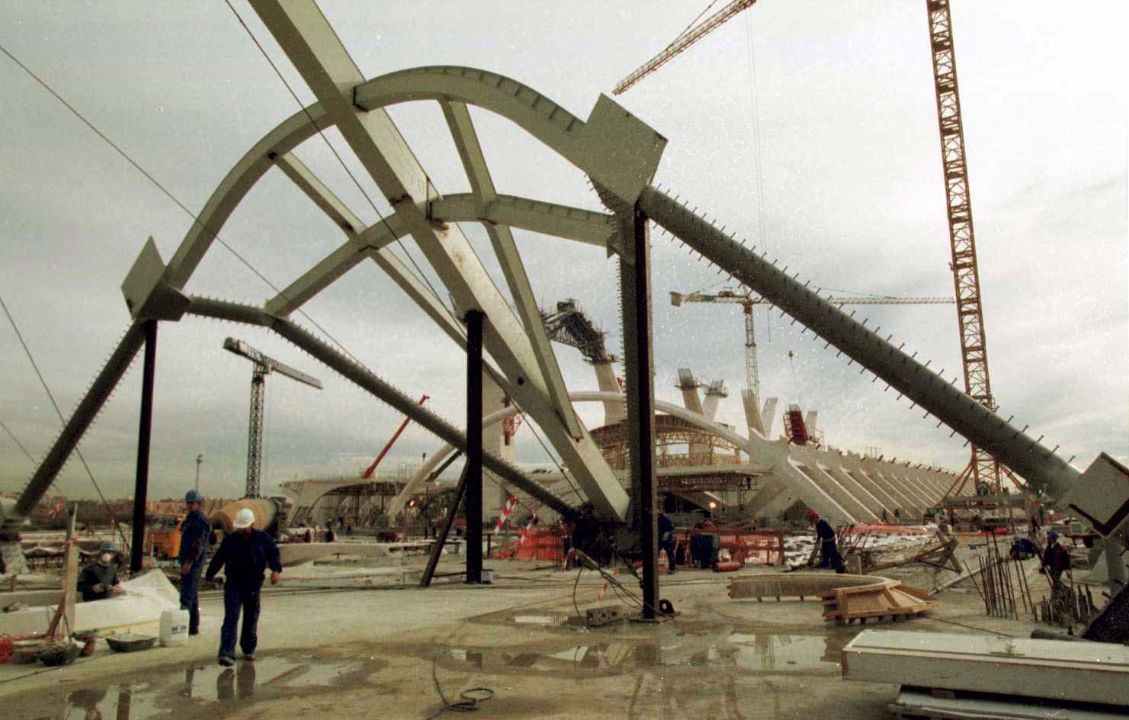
762 652
787 653
206 684
542 620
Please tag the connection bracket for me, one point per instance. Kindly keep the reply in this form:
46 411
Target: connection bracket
147 294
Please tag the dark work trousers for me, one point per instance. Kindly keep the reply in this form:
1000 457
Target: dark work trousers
235 599
829 556
190 595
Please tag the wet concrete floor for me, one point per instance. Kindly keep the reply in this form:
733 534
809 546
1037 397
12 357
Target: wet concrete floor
197 689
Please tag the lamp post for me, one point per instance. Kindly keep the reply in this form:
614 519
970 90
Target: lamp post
199 462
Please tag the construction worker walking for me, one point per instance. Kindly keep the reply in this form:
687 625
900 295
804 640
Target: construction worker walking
1056 561
828 549
245 554
194 534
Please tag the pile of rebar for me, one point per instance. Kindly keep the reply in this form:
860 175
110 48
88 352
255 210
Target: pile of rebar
1002 579
1066 607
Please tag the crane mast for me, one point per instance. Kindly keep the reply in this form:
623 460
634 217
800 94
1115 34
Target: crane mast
263 365
982 467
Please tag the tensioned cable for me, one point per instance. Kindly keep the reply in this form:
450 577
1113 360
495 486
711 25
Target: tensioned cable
20 445
341 161
533 429
691 25
63 420
758 167
195 219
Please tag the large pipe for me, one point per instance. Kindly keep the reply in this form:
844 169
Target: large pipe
368 381
1043 470
264 510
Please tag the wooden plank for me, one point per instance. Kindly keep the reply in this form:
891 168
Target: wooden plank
1052 669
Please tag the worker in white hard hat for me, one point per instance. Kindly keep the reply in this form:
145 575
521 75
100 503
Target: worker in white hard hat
245 553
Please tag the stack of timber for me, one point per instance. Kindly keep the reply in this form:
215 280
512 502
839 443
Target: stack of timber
884 600
845 598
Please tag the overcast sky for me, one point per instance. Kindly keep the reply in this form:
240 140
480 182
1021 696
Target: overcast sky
846 189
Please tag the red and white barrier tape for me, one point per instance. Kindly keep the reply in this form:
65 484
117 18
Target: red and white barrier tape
506 512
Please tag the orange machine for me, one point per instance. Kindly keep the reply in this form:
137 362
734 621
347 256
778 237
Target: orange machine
163 538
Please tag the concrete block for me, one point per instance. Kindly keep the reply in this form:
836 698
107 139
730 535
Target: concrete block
601 615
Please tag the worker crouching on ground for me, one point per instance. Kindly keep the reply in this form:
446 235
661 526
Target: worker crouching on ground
99 580
195 532
828 549
245 553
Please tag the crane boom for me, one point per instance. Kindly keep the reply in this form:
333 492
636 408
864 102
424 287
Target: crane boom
268 363
746 300
683 41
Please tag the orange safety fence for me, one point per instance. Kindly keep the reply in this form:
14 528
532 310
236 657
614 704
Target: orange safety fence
544 545
761 547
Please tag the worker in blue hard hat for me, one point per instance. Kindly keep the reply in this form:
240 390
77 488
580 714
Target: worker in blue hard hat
194 534
99 579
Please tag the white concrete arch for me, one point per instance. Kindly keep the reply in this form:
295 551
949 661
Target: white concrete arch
773 455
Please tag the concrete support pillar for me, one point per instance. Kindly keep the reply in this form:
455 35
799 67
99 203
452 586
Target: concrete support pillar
614 412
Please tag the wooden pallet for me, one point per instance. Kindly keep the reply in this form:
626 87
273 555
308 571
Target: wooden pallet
884 600
845 598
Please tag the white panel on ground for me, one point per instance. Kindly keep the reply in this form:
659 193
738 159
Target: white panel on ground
1054 669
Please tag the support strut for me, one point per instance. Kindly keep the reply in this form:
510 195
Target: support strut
473 471
144 434
635 296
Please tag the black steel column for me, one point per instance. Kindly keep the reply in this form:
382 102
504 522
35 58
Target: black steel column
635 297
144 431
474 324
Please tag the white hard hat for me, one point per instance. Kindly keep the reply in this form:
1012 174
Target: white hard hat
244 519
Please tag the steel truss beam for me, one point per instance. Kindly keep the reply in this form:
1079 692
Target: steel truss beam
371 383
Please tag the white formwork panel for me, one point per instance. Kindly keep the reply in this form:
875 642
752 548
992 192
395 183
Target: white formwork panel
1054 669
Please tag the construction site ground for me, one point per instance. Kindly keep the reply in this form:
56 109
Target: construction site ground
390 652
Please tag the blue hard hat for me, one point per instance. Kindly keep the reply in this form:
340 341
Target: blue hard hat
193 496
1052 535
107 546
